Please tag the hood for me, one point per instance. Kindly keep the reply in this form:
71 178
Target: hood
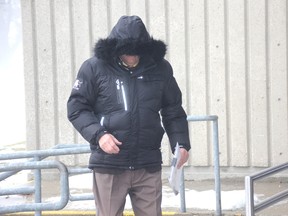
129 36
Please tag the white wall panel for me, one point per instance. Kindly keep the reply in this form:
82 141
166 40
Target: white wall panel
176 42
45 73
139 8
229 58
99 19
236 83
257 78
277 35
82 46
32 115
217 81
62 40
117 9
81 31
157 19
63 64
197 79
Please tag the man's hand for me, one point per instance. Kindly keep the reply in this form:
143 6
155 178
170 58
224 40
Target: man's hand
184 155
109 144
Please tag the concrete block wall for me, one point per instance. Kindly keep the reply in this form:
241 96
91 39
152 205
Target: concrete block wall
229 57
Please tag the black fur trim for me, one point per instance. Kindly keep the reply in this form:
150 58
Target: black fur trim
109 48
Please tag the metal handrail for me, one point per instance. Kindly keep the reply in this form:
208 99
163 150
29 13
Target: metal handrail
214 119
40 206
35 162
60 149
251 207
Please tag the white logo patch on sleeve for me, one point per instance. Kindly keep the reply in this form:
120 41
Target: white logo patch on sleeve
77 84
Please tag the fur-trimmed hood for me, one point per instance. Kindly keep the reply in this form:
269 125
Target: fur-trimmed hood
129 36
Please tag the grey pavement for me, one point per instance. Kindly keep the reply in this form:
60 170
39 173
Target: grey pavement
263 189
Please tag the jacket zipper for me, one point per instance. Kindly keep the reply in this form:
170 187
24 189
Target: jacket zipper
121 94
124 96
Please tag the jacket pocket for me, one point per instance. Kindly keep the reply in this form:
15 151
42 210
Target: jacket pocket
117 123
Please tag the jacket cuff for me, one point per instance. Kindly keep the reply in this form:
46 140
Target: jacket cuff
98 136
182 145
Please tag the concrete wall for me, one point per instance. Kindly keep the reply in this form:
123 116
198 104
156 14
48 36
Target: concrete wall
229 57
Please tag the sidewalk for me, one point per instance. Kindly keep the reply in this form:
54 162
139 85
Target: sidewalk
126 213
200 196
200 188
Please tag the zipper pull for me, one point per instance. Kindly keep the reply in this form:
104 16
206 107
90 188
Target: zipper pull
102 121
118 84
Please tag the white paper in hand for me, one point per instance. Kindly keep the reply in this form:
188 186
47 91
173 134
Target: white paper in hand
175 173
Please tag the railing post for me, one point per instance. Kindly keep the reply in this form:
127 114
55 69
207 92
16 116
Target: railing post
214 119
37 184
249 196
217 167
182 193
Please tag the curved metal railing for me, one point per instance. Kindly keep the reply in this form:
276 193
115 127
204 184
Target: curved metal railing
35 162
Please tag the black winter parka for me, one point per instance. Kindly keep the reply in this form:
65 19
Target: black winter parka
133 105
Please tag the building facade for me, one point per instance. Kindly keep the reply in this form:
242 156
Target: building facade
229 57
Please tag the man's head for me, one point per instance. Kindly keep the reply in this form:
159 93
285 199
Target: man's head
129 37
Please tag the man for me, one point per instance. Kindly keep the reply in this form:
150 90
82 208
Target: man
115 105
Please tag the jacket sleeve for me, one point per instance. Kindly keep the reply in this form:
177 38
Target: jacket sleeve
173 115
80 105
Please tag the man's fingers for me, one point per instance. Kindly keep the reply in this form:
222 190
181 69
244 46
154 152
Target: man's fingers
116 141
108 143
110 148
114 148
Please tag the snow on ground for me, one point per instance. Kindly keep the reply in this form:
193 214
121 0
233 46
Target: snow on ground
231 200
13 181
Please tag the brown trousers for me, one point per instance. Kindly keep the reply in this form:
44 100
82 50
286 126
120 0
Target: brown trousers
143 187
